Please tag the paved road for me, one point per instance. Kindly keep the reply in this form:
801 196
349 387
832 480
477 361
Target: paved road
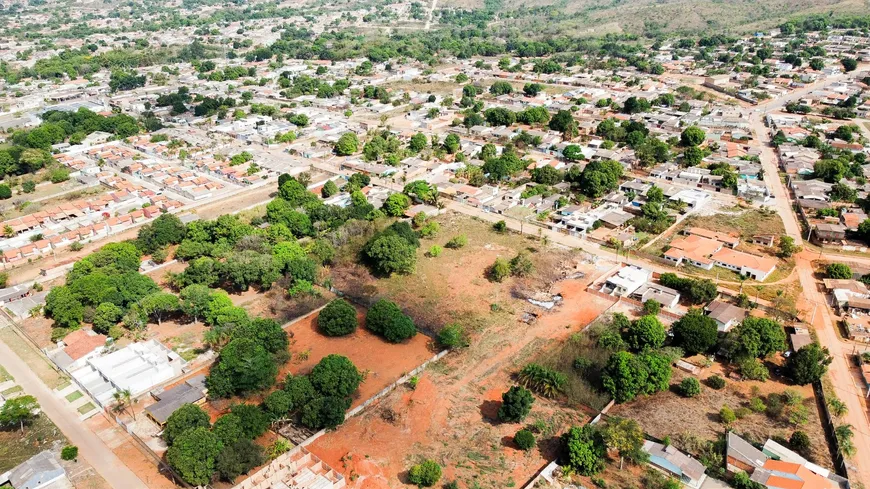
91 448
840 370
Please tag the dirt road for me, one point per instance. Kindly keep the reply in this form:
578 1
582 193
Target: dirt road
90 446
840 371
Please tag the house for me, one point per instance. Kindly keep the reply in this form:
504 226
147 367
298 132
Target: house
766 240
777 467
724 238
626 281
76 348
192 391
828 233
665 296
726 315
845 290
757 267
675 463
39 471
694 199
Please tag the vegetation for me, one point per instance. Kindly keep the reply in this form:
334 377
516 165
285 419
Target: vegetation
516 404
338 318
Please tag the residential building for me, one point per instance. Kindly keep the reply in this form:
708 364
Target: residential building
41 471
675 463
626 281
726 315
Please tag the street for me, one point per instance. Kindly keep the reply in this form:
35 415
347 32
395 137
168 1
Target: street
91 447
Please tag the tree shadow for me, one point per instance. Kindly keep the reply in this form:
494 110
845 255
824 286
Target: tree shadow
489 411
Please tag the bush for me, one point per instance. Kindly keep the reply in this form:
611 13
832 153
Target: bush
335 375
757 405
69 452
452 336
839 271
516 404
521 265
500 226
499 270
435 251
425 474
651 307
715 382
338 318
457 242
543 380
5 192
753 369
690 387
524 439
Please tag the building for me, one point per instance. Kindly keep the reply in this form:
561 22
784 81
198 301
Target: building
76 348
296 469
192 391
675 463
704 249
138 367
726 315
757 267
41 471
665 296
777 467
829 233
626 281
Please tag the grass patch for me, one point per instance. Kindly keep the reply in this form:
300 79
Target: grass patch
16 447
63 384
73 396
12 390
748 223
37 363
86 408
4 375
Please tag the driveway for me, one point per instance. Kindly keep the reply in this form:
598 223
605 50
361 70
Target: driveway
91 448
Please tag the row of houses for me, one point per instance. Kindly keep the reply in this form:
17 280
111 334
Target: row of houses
705 249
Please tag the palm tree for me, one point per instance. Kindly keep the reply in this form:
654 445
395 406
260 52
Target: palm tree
124 401
838 407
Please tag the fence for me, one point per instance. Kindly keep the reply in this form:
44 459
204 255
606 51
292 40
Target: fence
143 447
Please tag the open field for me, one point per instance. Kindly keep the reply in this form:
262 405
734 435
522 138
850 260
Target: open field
451 414
669 414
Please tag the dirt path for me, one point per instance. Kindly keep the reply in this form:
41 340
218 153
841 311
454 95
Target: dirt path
430 15
840 370
90 446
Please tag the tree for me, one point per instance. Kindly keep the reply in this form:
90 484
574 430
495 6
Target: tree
325 412
564 123
624 436
499 270
524 439
244 365
425 474
651 307
692 136
124 401
187 417
808 364
418 142
335 375
396 205
5 191
278 404
451 143
165 230
69 452
63 306
599 178
347 144
228 429
338 318
501 88
195 300
385 319
572 152
727 416
690 387
839 271
646 333
849 64
532 89
329 189
105 316
800 442
584 450
159 304
18 411
254 421
516 404
695 332
841 192
693 156
238 458
625 376
193 455
787 247
391 253
753 369
756 338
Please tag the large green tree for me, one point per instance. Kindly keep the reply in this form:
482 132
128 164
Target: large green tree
193 455
695 332
385 318
808 364
338 318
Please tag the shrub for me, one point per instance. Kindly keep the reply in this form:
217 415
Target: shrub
690 387
435 251
69 452
757 405
338 318
521 265
726 415
753 369
792 397
715 382
800 442
774 406
742 412
425 474
500 226
839 271
524 439
516 404
457 242
651 307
